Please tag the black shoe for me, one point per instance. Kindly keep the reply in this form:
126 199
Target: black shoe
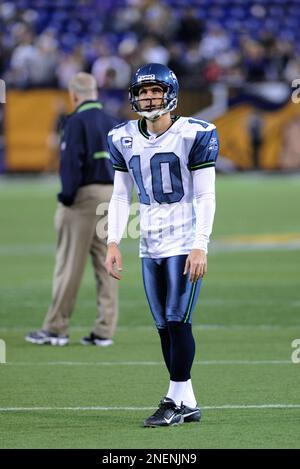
191 414
167 414
48 338
94 339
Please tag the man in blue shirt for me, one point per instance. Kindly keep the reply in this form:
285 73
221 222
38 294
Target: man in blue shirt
86 175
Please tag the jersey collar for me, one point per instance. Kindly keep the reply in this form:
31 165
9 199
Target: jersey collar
142 126
89 104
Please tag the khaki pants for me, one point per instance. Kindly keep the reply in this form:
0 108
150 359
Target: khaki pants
76 238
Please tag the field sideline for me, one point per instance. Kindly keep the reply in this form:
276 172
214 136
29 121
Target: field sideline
245 321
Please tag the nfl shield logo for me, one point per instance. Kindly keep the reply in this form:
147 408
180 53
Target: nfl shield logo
126 142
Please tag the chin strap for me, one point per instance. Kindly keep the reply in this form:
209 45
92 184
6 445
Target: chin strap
153 115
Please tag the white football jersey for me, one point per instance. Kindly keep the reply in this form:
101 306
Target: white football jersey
160 167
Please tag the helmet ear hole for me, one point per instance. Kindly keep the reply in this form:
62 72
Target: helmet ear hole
135 90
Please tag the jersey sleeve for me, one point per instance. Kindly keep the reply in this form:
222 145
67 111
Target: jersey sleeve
119 207
205 206
116 156
204 151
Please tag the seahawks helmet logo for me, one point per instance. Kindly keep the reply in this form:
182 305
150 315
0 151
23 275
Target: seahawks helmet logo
146 78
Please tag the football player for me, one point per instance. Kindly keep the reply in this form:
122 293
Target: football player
171 162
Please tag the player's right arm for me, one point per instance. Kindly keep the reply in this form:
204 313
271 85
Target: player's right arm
113 261
118 214
119 207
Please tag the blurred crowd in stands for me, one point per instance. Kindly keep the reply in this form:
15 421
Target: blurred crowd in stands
44 42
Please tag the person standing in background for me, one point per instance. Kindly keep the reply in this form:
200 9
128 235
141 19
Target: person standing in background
86 175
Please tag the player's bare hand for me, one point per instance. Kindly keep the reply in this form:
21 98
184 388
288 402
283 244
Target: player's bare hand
196 264
113 261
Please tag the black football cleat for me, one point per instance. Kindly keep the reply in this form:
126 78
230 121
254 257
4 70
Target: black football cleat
167 414
191 414
94 339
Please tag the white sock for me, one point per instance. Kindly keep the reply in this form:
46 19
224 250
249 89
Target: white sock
189 396
176 391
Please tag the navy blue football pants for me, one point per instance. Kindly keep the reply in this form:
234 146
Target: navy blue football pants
172 299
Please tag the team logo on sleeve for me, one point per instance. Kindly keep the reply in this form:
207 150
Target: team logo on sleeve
126 142
213 144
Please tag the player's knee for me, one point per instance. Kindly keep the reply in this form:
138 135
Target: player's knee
160 323
179 328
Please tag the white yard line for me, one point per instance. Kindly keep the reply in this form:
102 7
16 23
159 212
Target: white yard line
228 327
151 363
117 408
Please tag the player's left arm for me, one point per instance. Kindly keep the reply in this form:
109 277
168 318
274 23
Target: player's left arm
201 162
204 196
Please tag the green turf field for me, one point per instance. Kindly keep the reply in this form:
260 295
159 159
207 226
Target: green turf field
247 316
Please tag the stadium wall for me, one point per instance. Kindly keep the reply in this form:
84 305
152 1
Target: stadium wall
30 120
280 147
